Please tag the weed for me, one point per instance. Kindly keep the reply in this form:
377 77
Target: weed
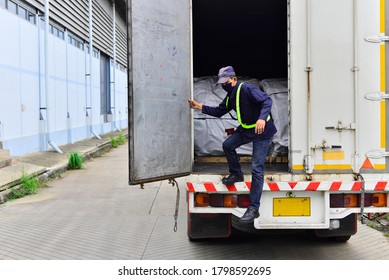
76 160
371 224
28 185
114 142
121 139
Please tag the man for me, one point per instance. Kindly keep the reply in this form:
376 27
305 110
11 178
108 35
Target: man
252 107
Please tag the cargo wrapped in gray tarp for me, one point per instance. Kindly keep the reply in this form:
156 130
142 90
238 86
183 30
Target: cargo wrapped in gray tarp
277 89
209 132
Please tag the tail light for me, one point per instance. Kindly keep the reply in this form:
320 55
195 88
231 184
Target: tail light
336 200
216 200
379 200
221 200
202 200
350 200
355 200
230 200
244 200
368 200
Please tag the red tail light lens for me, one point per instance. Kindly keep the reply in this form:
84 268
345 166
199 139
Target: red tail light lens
216 200
368 200
336 200
243 200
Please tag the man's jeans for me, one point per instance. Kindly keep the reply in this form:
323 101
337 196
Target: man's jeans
260 149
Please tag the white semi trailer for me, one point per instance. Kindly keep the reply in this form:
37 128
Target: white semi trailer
333 54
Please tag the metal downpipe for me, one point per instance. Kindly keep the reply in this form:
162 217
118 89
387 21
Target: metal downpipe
90 70
48 134
114 66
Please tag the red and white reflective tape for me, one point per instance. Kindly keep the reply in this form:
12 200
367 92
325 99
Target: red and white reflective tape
290 186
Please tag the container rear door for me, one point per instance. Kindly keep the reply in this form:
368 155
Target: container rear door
334 74
160 82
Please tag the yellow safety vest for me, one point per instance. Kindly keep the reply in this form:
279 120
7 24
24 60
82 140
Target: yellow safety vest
246 126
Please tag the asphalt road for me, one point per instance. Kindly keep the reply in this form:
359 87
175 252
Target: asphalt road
93 214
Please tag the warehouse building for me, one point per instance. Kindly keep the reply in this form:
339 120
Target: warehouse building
63 72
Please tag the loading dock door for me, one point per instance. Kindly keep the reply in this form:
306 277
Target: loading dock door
159 42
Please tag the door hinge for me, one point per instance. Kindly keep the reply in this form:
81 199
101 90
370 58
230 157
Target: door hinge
376 96
377 154
377 38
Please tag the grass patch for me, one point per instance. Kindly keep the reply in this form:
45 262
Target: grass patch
121 139
28 185
76 161
114 142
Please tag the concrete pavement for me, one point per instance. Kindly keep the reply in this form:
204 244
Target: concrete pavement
50 163
93 214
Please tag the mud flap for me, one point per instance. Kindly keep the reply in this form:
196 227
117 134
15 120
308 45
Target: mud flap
348 227
202 226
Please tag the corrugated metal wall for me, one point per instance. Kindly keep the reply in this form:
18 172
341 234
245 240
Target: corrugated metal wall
102 29
121 45
73 15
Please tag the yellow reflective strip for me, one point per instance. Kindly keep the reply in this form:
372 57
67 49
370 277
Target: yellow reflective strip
237 105
246 126
298 167
332 166
382 16
383 124
380 166
382 68
382 78
333 155
382 103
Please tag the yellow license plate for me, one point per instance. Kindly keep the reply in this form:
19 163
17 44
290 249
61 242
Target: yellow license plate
291 206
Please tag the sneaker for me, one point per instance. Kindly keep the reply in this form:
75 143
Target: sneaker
250 215
231 179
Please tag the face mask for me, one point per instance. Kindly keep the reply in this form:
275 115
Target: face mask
228 87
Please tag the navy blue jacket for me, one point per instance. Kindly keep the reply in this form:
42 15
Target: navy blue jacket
254 105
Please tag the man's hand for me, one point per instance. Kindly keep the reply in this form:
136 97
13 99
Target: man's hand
195 105
260 126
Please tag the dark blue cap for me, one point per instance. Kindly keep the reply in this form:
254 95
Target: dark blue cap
225 73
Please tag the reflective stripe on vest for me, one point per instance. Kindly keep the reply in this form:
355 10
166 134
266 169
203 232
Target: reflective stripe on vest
246 126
